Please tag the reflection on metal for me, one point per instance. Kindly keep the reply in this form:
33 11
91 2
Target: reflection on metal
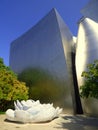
87 46
87 49
47 46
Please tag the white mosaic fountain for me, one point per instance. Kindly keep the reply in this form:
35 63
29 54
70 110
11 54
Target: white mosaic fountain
31 111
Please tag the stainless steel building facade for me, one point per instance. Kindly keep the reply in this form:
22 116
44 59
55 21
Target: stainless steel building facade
50 45
47 46
87 49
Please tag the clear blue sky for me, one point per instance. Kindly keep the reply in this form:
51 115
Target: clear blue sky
17 16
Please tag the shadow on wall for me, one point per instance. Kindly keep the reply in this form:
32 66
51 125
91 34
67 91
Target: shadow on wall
90 106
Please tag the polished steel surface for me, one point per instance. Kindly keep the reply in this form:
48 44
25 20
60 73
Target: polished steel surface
87 49
47 46
87 52
87 46
91 10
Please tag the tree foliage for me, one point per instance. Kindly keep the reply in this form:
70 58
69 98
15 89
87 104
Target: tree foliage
10 87
90 86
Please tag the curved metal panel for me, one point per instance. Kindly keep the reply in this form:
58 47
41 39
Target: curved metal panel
87 49
90 10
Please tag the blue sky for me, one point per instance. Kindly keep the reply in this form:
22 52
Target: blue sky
17 16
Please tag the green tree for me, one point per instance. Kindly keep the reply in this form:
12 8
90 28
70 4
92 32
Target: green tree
90 86
10 87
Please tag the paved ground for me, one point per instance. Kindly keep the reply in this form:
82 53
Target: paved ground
64 122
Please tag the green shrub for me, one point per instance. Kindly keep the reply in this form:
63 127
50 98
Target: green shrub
90 86
10 88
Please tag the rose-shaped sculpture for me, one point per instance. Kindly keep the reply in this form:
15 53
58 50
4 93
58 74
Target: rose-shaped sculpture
32 111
